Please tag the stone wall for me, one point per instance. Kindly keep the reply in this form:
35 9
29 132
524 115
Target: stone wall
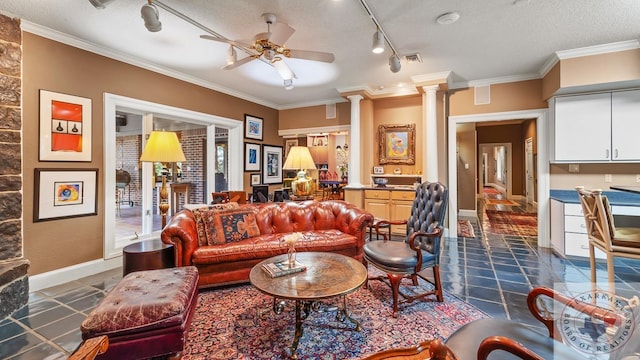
14 285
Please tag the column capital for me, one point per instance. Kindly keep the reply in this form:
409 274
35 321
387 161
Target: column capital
355 98
428 88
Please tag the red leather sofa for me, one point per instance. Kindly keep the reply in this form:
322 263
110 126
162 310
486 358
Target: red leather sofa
328 226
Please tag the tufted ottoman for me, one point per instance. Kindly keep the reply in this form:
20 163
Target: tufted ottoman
147 314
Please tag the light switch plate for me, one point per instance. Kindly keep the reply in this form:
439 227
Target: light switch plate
638 178
574 168
608 178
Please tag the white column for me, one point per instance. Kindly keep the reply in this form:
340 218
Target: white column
354 143
430 133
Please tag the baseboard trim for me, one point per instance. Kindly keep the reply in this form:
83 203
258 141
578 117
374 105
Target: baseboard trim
467 213
71 273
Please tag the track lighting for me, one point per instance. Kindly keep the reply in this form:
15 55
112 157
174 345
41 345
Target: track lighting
288 84
149 13
232 57
394 63
378 42
100 4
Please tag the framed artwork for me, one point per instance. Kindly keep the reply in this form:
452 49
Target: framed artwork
65 127
253 127
65 193
396 144
288 144
255 179
271 164
378 170
251 157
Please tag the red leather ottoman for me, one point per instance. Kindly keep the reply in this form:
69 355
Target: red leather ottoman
147 314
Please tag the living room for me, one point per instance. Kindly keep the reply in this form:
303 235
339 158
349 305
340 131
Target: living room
53 250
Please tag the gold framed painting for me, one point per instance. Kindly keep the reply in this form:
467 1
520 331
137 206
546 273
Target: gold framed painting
396 144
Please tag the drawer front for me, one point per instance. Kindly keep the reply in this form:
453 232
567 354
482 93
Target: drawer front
403 195
573 209
578 245
376 194
575 224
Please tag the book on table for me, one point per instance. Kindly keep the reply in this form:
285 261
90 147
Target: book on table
281 268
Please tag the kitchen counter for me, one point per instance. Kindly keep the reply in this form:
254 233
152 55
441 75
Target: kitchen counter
622 198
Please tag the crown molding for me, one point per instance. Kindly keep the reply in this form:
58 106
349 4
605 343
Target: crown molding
312 103
292 133
598 49
417 79
496 80
81 44
549 64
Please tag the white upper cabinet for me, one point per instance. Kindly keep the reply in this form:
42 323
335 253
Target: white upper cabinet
583 128
625 125
599 127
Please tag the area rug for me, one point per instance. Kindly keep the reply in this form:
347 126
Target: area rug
238 323
490 190
512 223
465 229
501 202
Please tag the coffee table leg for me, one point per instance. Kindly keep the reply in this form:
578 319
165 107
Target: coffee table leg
343 314
298 333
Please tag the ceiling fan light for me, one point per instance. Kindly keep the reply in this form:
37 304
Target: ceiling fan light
378 43
100 4
394 63
283 69
232 56
288 84
151 17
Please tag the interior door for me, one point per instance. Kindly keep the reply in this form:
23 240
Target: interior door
529 173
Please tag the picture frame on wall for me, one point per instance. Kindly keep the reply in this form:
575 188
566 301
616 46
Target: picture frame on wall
253 127
272 164
64 193
396 144
255 179
252 157
288 144
65 127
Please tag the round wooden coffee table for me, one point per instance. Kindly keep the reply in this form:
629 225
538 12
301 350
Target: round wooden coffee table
328 275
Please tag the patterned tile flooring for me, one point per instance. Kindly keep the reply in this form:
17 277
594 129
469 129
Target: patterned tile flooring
492 271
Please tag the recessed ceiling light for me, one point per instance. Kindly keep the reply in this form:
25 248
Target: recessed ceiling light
448 18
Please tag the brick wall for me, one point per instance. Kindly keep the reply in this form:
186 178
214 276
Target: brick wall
194 169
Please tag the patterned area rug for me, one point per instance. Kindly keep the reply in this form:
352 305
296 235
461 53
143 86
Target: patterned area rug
238 323
465 229
501 202
513 223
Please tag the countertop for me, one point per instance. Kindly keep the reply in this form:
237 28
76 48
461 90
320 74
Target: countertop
615 197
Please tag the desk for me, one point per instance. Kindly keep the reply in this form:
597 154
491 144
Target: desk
147 255
334 185
176 190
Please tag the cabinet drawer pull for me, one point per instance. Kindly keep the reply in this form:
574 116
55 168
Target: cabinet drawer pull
606 156
615 154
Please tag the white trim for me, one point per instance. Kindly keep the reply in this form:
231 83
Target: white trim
72 273
498 80
598 49
312 103
467 213
548 65
542 133
291 133
112 247
431 77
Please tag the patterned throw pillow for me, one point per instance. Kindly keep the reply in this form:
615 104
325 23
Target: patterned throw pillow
235 225
206 221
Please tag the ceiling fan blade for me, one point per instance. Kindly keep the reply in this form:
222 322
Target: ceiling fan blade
280 33
312 55
231 42
238 63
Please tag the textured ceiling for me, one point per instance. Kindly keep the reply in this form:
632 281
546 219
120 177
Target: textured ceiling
492 39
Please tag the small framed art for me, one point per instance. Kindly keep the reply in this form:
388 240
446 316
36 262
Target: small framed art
252 157
288 144
65 127
378 170
272 164
65 193
255 179
253 127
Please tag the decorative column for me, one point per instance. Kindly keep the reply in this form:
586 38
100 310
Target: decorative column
430 133
354 142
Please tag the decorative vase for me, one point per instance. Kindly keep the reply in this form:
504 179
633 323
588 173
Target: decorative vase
291 254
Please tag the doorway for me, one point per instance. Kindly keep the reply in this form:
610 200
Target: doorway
496 166
218 141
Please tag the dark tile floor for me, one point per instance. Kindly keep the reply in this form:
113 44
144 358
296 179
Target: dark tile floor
494 272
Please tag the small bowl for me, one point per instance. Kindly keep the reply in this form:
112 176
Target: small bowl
381 182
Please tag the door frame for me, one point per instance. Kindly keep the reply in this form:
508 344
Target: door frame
112 246
542 129
529 183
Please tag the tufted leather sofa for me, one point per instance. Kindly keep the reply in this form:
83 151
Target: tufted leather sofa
329 226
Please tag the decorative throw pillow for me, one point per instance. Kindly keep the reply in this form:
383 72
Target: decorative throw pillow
235 225
206 221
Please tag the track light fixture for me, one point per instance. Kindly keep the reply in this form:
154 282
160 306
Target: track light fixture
394 63
379 38
149 13
232 56
100 4
378 42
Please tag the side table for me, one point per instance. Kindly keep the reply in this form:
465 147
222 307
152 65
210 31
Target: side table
147 255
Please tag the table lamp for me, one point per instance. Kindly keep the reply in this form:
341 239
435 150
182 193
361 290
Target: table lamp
299 158
164 147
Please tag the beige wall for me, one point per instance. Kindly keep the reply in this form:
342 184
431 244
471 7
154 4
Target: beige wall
523 95
466 152
591 176
56 67
600 69
313 117
512 134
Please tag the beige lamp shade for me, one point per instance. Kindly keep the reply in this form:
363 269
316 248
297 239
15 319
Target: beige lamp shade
162 146
299 158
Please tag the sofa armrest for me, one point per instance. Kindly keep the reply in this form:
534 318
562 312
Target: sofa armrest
358 221
181 232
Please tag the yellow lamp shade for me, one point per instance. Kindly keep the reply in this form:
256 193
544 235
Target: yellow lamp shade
162 146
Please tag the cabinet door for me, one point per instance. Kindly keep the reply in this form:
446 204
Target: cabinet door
583 128
625 125
400 210
378 207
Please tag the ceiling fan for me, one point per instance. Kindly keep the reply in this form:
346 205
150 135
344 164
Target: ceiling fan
269 47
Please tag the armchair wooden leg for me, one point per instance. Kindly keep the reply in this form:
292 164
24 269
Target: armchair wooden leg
394 281
437 284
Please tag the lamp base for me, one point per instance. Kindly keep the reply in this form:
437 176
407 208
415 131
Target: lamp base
301 186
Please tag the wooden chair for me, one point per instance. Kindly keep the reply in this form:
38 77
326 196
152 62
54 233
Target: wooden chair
219 197
91 348
603 234
433 350
239 197
420 249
